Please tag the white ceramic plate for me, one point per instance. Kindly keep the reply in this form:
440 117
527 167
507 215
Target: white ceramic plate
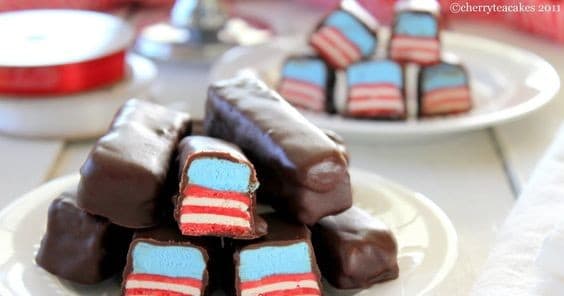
426 238
79 116
506 82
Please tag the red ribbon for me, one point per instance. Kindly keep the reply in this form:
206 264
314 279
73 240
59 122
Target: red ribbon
63 79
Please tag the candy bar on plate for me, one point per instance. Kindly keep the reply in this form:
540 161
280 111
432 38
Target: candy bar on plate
125 176
301 170
416 33
443 89
217 190
355 250
346 36
375 90
307 83
280 263
163 262
80 247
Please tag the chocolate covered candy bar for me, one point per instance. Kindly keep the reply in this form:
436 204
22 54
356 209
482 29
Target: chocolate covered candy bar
125 176
375 89
301 170
163 262
307 82
416 32
346 35
443 89
281 263
80 247
355 250
217 190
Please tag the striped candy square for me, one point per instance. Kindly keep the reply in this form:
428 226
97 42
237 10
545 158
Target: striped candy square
171 269
307 83
443 89
415 38
277 270
375 90
343 39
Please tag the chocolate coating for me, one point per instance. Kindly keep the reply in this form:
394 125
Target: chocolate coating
302 171
125 176
192 146
355 250
80 247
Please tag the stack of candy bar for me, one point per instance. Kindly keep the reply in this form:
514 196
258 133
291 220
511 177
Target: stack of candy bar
176 214
346 72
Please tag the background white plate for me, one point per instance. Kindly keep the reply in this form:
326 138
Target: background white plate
506 82
78 116
426 238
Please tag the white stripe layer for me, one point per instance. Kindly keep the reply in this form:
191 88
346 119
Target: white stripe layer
279 287
375 104
364 91
136 284
334 53
214 202
415 43
214 219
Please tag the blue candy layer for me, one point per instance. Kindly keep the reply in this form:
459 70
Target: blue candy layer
220 174
416 24
174 261
375 72
258 263
443 75
353 29
309 70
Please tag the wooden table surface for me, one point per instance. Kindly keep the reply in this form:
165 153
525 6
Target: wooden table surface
474 177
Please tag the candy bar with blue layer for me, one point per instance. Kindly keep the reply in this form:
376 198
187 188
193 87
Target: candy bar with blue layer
307 83
281 263
375 89
345 36
217 190
443 89
163 262
416 32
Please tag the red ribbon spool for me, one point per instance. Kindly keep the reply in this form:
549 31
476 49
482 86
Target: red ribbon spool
63 79
36 62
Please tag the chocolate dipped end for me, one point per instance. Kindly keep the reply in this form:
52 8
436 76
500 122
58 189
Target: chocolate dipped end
281 263
300 168
355 250
80 247
217 190
125 176
161 259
